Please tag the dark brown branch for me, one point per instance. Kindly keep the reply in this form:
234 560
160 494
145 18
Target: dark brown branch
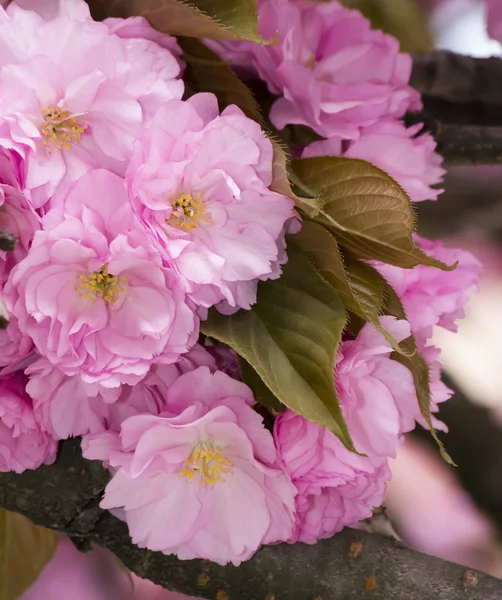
457 78
65 497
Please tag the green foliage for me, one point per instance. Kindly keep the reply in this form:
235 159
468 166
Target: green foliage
25 549
290 338
361 287
368 212
418 367
214 19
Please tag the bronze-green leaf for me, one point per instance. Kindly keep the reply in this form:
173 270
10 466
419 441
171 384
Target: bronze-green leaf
366 210
261 392
25 549
290 338
417 366
214 19
360 286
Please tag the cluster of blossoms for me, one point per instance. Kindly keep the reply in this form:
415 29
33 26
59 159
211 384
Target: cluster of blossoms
136 211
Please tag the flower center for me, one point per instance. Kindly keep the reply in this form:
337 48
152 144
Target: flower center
311 62
60 128
100 284
188 212
206 460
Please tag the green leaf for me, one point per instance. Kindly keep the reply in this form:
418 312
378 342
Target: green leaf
366 210
361 287
25 549
261 392
214 19
401 18
291 338
417 366
206 72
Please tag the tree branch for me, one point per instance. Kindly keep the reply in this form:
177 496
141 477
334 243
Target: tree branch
462 105
65 497
457 78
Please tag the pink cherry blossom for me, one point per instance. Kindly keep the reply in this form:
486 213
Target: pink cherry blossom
431 296
18 218
22 444
15 346
201 480
408 157
200 182
494 19
67 406
51 9
93 294
336 487
330 69
75 96
377 393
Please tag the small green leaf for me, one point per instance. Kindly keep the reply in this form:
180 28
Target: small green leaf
402 19
25 549
361 287
214 19
291 338
260 391
417 366
366 210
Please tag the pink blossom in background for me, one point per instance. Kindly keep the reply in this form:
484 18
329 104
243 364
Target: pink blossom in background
494 19
22 444
94 575
408 157
75 96
330 69
92 293
377 393
336 487
200 183
434 514
431 296
202 479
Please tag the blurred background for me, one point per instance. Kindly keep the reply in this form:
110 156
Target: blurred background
453 513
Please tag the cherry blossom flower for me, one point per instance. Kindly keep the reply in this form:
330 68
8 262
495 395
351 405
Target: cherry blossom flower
22 444
336 487
74 96
200 183
330 69
377 393
93 294
200 480
430 296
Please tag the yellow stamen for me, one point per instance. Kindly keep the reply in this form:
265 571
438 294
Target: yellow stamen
60 128
207 461
311 62
188 212
100 285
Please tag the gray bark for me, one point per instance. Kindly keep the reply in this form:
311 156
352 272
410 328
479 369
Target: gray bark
65 496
